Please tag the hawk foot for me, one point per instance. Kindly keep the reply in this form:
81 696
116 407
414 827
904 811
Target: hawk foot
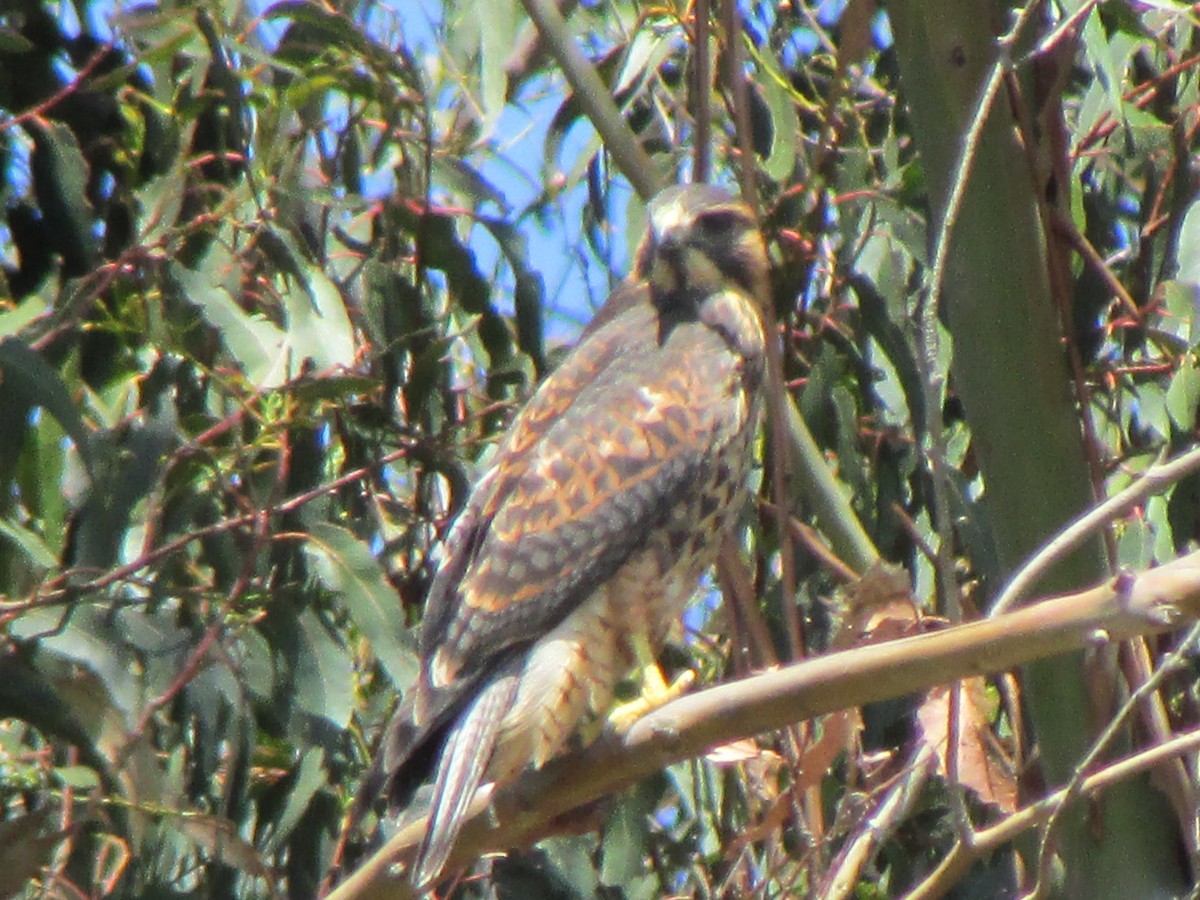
655 693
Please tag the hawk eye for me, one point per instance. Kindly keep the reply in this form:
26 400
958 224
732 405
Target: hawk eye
719 223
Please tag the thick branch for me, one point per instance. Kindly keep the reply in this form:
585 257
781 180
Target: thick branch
1129 605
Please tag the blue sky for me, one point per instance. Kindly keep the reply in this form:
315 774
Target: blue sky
572 290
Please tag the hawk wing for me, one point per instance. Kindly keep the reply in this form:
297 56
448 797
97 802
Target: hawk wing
595 461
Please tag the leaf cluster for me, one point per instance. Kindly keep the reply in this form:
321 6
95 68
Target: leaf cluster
271 281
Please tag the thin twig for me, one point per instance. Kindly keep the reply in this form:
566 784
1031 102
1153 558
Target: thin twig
888 815
38 111
702 94
53 593
987 840
1155 480
1175 660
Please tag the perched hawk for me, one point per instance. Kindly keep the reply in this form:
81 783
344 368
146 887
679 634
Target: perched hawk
603 506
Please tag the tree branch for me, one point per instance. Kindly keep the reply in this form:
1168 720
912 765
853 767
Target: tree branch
617 136
1123 607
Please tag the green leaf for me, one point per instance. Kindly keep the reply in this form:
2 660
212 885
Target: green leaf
309 778
257 346
27 694
81 778
464 180
28 381
60 178
853 471
47 466
252 656
345 566
626 836
1183 395
28 311
343 388
24 850
1188 244
443 250
560 868
1110 55
1150 134
529 296
318 326
220 839
88 636
1152 408
30 543
324 678
212 700
131 469
1158 516
1174 11
883 328
781 102
13 42
643 55
159 204
497 34
1135 545
336 29
1179 302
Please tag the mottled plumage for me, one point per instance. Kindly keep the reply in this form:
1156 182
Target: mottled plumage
596 518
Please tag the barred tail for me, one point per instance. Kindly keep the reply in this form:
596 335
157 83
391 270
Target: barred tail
465 757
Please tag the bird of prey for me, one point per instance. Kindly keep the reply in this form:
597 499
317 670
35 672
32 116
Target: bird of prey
592 525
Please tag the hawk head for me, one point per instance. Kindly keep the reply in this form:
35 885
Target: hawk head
702 239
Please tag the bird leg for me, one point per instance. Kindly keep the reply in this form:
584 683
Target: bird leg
655 690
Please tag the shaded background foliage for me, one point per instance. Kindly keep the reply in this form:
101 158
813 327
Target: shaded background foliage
273 278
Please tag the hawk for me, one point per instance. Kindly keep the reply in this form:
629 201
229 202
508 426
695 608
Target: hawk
589 531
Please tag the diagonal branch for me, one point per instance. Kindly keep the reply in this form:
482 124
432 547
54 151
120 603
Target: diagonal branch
1128 605
593 96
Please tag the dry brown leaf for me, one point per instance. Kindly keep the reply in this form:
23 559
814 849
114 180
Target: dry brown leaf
878 607
981 766
771 823
760 763
734 752
839 731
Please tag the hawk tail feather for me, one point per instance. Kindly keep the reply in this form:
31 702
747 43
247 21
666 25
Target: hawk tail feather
464 759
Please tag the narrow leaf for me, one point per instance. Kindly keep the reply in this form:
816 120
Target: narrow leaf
345 565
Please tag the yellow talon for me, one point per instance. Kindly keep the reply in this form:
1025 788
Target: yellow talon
655 690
